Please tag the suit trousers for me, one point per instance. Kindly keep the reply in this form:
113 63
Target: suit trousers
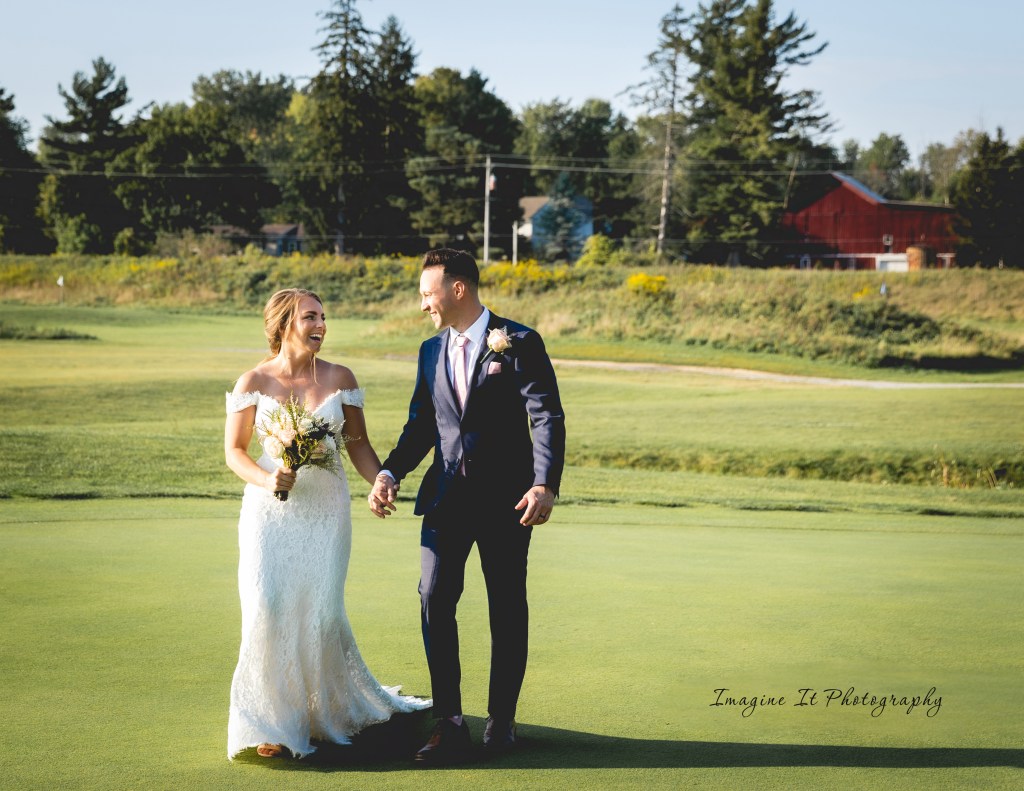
467 516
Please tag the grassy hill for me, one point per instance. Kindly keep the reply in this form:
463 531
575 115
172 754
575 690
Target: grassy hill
969 321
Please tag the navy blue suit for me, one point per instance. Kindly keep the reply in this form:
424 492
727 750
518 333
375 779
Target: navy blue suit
510 437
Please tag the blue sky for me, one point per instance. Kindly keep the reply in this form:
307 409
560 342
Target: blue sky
924 70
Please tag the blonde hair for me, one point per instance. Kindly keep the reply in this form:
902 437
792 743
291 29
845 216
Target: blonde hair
279 313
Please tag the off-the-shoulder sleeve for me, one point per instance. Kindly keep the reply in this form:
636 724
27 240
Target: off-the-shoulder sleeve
236 402
355 397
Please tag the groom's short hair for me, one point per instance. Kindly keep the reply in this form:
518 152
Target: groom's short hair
458 264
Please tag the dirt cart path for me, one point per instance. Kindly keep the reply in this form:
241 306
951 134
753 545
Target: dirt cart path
765 376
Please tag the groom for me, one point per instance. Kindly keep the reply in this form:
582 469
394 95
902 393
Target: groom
486 401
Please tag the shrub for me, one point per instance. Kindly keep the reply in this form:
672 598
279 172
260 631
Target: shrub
189 243
75 235
525 277
126 243
645 285
597 251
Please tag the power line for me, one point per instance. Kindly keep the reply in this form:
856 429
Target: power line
269 170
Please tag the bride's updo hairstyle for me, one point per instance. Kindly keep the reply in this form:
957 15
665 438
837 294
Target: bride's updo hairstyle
279 313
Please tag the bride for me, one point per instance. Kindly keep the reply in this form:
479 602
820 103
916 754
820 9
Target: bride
300 675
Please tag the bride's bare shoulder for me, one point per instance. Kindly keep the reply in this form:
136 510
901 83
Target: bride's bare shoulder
338 377
252 381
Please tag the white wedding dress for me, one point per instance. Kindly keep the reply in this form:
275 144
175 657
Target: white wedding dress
300 675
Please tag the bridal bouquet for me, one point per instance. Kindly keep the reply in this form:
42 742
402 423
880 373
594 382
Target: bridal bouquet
294 436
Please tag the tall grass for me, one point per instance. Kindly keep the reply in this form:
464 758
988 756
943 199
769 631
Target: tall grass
967 320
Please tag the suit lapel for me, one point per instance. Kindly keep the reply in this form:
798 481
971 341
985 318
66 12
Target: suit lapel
479 371
442 382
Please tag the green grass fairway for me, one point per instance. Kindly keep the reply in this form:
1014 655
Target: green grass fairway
801 563
120 631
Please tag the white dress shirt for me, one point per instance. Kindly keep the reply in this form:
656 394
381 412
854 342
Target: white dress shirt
476 334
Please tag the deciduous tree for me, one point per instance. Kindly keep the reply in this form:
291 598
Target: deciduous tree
940 164
187 171
249 106
19 184
661 94
589 145
883 167
462 122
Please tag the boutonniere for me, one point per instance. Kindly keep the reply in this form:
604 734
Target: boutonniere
498 340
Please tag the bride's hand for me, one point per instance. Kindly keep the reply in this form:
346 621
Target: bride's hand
382 497
282 479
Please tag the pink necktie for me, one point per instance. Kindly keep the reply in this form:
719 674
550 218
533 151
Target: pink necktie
461 388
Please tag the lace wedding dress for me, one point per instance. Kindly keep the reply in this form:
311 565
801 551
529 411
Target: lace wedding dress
300 675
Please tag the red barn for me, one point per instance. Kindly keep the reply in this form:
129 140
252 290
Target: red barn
848 223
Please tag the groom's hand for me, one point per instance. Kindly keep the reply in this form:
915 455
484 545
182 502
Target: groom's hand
382 496
538 502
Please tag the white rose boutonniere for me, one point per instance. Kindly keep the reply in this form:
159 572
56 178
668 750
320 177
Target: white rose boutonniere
498 340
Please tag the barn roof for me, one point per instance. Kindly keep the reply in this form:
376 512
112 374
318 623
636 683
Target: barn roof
860 187
816 187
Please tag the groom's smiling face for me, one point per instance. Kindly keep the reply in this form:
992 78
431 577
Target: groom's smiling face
437 297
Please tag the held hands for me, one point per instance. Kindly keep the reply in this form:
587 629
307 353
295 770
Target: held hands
538 502
382 496
282 479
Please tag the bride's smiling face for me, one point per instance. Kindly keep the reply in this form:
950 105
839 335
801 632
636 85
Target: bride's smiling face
309 327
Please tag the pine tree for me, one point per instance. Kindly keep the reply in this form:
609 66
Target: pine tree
341 127
746 127
989 199
398 138
78 203
556 226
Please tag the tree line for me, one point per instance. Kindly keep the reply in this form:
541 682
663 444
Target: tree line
373 157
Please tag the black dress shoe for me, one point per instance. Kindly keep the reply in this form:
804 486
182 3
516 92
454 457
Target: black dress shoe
450 743
499 734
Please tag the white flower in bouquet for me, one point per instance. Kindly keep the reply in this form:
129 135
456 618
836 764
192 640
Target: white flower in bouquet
285 434
274 447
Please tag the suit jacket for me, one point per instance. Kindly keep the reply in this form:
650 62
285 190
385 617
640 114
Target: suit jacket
511 435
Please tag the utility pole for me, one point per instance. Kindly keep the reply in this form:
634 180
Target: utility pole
488 185
339 233
666 178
